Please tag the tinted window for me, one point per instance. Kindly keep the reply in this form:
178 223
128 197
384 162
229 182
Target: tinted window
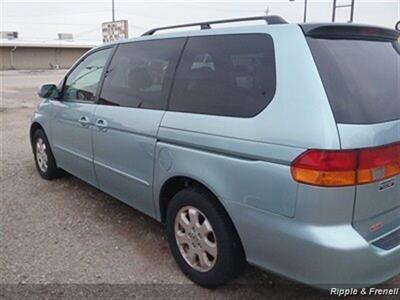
361 78
82 82
230 75
140 74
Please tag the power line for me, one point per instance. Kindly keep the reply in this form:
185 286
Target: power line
49 23
61 14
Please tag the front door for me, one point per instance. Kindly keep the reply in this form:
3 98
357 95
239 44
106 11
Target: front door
131 105
72 123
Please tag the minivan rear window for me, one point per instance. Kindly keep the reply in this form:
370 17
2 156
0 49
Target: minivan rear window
361 78
226 75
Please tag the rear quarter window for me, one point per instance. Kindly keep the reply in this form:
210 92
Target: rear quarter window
361 78
228 75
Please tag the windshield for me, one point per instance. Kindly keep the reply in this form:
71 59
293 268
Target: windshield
361 78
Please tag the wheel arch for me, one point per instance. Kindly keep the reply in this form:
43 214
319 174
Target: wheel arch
177 183
34 126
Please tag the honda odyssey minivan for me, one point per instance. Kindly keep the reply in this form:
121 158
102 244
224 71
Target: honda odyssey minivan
274 144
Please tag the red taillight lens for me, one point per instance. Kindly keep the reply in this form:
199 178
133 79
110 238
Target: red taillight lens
346 167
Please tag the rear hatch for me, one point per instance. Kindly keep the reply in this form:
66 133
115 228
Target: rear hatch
360 69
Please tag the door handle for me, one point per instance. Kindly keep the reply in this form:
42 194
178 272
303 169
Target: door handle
84 120
101 124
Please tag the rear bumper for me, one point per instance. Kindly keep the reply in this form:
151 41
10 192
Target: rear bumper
322 256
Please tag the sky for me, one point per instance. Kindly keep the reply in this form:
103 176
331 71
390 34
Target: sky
42 20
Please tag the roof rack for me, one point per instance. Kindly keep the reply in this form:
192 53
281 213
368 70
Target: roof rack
206 24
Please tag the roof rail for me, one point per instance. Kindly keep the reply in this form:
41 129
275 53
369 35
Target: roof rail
206 24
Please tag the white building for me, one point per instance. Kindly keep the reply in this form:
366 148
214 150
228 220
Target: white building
17 53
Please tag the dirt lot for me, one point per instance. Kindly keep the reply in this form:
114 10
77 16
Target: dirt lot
72 237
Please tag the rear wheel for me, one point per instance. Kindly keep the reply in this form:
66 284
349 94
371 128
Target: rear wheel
202 238
44 159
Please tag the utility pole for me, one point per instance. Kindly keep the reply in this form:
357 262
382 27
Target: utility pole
336 6
113 11
352 11
333 11
267 11
305 10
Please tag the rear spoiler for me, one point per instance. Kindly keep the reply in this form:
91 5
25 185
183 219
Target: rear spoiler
346 31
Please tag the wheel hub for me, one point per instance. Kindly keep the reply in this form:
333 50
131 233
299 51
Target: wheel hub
195 238
41 155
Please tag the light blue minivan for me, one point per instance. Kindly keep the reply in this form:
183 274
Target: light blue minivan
277 144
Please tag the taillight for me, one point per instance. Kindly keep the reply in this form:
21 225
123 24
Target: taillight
378 163
346 167
325 168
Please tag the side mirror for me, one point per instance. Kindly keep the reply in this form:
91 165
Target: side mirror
48 91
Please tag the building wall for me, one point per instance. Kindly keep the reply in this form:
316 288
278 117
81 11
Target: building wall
39 58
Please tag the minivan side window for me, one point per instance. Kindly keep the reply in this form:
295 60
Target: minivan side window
82 82
227 75
140 74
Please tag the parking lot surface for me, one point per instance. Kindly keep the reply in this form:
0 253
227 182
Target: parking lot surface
71 236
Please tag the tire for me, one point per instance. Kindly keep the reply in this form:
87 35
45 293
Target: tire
42 151
229 260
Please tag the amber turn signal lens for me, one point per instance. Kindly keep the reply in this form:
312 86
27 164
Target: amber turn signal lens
324 178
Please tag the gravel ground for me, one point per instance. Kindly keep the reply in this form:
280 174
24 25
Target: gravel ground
67 239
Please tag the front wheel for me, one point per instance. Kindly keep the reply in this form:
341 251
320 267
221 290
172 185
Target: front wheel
44 159
202 238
